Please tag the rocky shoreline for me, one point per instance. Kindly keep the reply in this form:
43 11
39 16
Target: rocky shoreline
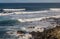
53 33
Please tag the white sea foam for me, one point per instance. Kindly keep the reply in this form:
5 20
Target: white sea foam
55 9
19 11
37 19
30 12
4 14
13 10
22 12
31 19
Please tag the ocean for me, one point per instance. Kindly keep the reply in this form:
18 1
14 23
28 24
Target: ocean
10 22
30 6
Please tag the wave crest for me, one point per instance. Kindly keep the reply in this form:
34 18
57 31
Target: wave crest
37 19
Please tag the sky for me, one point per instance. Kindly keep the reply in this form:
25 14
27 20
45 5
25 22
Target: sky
28 1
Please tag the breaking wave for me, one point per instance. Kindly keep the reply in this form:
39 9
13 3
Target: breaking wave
23 12
37 19
19 20
30 12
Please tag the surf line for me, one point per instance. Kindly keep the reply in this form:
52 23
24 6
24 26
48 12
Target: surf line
37 19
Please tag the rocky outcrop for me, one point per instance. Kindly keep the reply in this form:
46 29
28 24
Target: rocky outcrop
53 33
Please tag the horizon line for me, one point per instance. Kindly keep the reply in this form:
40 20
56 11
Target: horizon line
29 2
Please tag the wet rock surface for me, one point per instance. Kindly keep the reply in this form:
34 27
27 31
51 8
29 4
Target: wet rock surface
53 33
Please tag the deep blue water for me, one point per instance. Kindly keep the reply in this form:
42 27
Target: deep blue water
30 6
